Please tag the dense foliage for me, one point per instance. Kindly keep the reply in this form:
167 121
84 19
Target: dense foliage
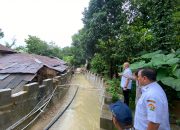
143 32
120 30
167 66
116 31
37 46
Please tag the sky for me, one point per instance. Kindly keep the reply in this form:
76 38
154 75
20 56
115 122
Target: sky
50 20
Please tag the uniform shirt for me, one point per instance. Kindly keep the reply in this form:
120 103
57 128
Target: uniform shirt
152 106
127 72
138 92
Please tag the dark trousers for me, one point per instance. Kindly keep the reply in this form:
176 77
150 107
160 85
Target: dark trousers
126 94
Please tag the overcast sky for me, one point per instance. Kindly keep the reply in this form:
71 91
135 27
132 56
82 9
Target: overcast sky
50 20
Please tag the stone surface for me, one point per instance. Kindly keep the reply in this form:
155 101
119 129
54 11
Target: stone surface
106 120
5 96
107 98
14 107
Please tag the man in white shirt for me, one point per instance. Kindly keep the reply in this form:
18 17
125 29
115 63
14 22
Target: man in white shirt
152 108
126 83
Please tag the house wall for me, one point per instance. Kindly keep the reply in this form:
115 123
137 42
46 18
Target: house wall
13 107
44 73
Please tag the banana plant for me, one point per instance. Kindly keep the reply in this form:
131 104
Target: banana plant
167 66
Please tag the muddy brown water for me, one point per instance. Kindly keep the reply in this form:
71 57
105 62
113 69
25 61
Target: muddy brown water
84 112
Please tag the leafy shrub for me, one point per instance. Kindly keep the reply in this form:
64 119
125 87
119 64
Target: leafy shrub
98 65
167 66
113 89
178 122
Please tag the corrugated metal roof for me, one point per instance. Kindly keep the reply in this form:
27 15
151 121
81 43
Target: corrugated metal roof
14 80
19 87
53 63
19 68
29 63
3 76
5 49
49 61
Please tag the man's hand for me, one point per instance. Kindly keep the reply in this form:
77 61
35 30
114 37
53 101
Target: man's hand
125 88
120 74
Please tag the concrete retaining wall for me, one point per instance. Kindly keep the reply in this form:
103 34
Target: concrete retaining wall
14 107
105 99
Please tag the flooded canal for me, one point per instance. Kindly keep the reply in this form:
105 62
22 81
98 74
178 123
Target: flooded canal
84 112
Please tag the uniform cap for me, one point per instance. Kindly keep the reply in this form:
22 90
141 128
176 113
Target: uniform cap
121 112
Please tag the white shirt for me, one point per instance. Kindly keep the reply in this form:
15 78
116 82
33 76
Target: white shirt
152 106
138 92
127 72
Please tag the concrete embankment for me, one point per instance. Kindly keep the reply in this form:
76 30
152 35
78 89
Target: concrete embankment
84 112
17 110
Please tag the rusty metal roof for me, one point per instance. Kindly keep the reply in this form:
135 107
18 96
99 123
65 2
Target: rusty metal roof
15 81
53 63
5 49
18 69
29 63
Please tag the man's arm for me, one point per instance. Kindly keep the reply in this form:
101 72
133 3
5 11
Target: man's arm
153 126
129 77
120 74
126 76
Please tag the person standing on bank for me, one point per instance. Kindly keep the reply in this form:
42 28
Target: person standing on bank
152 108
138 88
126 83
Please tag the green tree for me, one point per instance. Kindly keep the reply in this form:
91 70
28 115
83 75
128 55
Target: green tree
67 55
78 49
37 46
120 30
68 59
103 25
10 45
176 20
163 25
98 64
21 49
1 33
93 17
157 16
